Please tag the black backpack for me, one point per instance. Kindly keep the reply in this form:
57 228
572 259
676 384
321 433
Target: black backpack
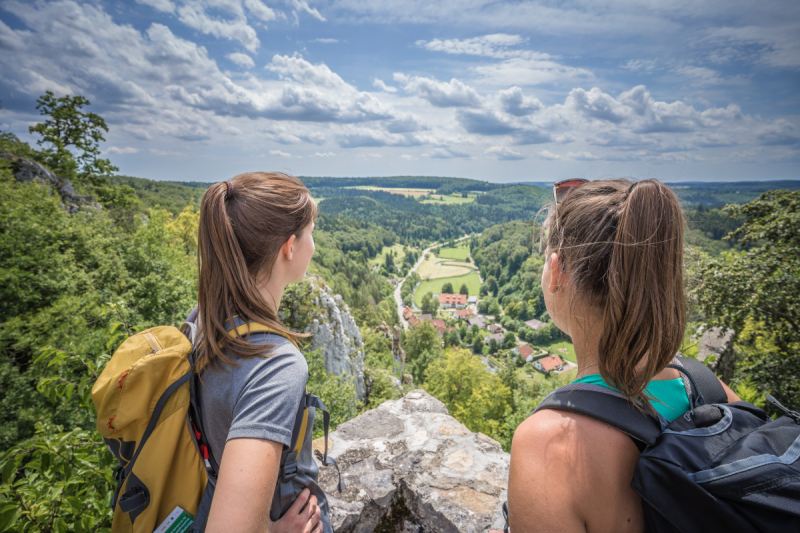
719 467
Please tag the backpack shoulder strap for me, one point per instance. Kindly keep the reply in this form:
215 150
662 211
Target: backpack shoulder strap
706 388
606 406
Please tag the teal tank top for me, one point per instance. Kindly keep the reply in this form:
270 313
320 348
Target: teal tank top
667 396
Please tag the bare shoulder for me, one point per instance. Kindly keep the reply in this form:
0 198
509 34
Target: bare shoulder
585 467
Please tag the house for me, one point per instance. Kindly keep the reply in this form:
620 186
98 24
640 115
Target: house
495 328
413 320
439 324
427 317
464 314
407 313
548 363
458 301
535 324
472 300
524 350
497 337
477 320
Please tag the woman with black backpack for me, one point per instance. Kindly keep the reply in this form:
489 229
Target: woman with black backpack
612 281
255 238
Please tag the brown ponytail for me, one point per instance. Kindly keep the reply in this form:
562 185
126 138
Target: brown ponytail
243 224
622 244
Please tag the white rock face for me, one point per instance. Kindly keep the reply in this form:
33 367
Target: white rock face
337 336
409 466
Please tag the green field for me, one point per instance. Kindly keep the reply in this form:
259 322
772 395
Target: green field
460 253
451 199
562 348
403 191
399 255
472 280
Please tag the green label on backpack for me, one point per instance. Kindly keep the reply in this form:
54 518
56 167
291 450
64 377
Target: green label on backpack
178 521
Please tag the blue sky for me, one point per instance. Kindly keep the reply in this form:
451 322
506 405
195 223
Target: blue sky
502 91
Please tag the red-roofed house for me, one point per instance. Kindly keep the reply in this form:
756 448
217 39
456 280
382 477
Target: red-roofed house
548 364
535 324
464 313
525 350
453 300
439 324
407 313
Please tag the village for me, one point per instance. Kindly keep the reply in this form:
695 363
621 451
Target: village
445 293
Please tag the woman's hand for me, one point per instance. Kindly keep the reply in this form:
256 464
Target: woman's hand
303 516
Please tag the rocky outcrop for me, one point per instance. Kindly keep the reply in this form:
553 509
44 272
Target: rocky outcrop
409 466
717 343
337 336
27 170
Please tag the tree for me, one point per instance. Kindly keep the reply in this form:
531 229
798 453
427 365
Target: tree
477 345
422 345
388 263
72 137
447 288
426 304
753 291
464 289
473 395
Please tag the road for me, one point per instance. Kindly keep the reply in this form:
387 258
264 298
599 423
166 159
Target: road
398 299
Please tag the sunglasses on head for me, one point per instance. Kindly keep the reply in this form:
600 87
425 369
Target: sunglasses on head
562 188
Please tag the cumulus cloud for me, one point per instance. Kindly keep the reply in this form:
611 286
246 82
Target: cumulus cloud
122 150
243 60
280 153
514 102
453 93
504 153
381 85
485 122
236 28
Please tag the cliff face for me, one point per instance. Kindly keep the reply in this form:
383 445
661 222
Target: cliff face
335 333
409 466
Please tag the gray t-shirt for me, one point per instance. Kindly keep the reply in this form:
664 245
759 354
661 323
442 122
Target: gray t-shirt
257 398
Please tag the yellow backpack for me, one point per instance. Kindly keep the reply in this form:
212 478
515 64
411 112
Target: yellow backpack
146 415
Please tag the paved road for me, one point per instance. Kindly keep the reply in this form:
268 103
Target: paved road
398 299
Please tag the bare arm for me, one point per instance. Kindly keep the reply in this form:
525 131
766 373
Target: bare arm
243 495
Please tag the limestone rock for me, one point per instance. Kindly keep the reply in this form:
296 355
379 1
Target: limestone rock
337 336
28 170
407 465
717 343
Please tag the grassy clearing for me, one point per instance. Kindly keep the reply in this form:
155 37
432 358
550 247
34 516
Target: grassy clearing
460 253
472 280
399 255
562 348
449 199
415 193
437 268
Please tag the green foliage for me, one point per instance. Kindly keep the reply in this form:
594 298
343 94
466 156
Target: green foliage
338 392
473 394
56 481
447 288
430 304
71 138
464 289
422 346
753 291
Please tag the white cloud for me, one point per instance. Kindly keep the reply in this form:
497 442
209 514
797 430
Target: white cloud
453 93
443 152
261 11
492 45
775 45
325 40
122 150
243 60
504 153
304 6
195 16
514 102
280 153
374 138
324 154
381 85
165 6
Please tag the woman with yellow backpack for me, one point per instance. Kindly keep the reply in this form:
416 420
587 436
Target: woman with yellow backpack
212 425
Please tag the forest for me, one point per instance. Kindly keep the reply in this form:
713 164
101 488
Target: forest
88 257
